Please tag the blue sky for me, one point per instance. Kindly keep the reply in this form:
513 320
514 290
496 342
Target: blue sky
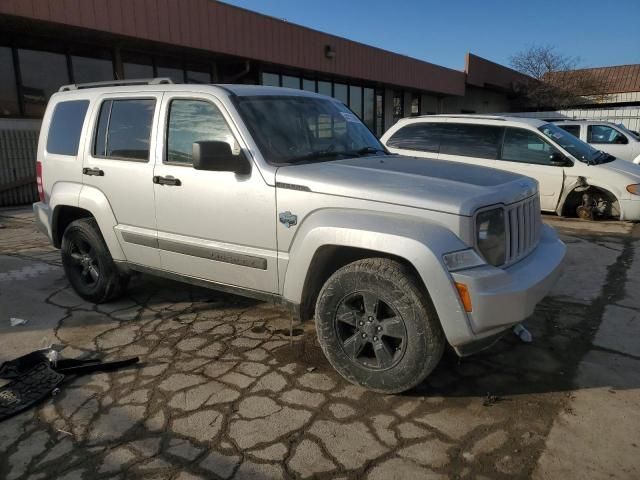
601 33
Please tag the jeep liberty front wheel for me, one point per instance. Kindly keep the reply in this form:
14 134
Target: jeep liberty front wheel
377 326
88 263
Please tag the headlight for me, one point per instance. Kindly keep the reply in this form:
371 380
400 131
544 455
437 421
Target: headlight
462 259
491 238
634 189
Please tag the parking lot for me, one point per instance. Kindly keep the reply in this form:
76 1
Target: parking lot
225 391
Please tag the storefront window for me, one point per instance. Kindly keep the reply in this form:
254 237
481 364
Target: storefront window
271 79
355 100
379 113
340 92
308 85
290 82
415 104
137 66
198 74
37 86
8 92
398 106
171 69
368 108
86 70
324 88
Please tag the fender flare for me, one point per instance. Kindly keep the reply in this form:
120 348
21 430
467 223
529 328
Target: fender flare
93 200
584 182
418 241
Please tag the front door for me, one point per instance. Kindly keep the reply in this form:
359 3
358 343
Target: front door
610 140
118 164
217 226
526 152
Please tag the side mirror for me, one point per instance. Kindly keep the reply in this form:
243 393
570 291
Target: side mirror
557 159
621 139
217 157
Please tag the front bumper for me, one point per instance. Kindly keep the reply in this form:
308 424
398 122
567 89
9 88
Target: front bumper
630 209
42 214
502 298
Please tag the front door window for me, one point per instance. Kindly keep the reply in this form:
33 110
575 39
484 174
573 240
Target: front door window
526 147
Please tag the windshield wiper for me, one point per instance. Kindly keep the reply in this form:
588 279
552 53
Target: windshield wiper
367 151
323 154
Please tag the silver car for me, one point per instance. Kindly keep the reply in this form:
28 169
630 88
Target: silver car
286 196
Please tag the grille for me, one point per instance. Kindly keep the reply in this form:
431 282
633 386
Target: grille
523 228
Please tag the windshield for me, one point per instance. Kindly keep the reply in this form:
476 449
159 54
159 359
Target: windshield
576 147
627 131
296 129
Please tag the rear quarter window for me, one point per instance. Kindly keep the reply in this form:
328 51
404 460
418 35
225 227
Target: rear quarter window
66 127
471 140
423 137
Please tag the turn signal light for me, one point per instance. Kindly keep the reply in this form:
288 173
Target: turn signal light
463 291
634 189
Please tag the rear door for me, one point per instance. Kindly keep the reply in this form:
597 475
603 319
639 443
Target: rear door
470 143
118 164
523 151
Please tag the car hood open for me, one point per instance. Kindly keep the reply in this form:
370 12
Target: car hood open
439 185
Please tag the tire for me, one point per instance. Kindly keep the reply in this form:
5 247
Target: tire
382 300
88 263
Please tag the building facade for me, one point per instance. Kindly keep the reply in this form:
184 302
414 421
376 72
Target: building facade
48 43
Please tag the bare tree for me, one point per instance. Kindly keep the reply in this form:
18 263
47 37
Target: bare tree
555 80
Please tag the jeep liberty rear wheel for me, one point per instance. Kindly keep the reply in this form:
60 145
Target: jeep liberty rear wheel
377 326
88 263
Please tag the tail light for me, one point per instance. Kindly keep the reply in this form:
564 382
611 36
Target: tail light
39 180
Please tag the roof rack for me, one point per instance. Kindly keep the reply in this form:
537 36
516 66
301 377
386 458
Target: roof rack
470 115
115 83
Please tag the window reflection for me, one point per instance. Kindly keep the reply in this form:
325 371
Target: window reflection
290 82
129 129
137 66
271 79
308 85
170 69
37 86
340 92
199 75
193 121
324 88
86 70
355 100
368 108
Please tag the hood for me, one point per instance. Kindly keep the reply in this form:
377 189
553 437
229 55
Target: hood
439 185
628 169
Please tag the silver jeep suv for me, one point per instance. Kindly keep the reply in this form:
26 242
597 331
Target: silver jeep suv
285 195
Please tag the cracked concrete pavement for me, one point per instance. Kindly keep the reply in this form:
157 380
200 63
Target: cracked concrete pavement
223 391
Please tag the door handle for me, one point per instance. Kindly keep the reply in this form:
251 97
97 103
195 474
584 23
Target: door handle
95 172
168 180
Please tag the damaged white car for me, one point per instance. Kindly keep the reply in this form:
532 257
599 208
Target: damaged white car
574 177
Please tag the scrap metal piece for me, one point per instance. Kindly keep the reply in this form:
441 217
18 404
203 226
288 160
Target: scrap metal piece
31 387
39 374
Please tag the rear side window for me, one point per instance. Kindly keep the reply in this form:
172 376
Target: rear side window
424 137
572 129
124 129
481 141
66 127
